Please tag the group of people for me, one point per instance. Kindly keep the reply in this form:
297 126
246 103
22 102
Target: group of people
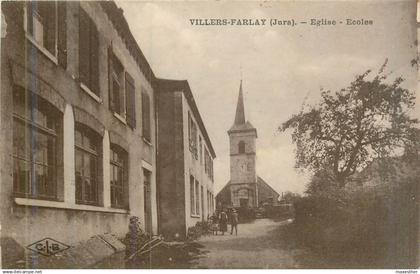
221 219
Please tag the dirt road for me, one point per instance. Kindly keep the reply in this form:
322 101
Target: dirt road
259 244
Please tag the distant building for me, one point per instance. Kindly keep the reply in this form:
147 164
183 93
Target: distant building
185 161
77 122
245 188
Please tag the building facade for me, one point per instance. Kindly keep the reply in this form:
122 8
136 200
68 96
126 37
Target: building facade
76 98
245 189
185 161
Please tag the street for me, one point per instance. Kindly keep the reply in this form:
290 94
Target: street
259 244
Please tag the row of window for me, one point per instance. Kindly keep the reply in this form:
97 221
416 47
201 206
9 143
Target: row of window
197 193
41 28
38 150
195 146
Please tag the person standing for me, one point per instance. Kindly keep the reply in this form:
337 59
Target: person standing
234 222
223 222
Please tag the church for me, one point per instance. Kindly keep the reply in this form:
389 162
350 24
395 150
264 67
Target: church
245 188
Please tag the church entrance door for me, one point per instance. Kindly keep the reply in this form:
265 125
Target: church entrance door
243 202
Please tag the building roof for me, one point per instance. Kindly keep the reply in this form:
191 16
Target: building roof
167 85
240 124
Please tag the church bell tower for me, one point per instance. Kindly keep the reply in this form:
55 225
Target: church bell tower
243 175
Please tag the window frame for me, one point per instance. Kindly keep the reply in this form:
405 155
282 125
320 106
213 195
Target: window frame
85 132
146 116
116 74
122 166
130 100
192 136
192 195
197 198
52 56
91 86
200 141
33 128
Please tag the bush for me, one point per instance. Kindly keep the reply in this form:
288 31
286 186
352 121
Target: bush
199 229
378 227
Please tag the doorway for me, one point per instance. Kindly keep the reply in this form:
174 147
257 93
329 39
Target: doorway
147 201
243 202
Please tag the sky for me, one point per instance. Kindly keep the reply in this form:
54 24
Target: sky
280 65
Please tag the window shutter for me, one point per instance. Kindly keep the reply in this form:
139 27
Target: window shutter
50 33
62 33
110 93
94 58
130 100
146 115
84 47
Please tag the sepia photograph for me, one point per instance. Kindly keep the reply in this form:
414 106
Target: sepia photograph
214 134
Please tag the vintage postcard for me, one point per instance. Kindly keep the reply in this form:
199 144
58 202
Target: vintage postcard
209 135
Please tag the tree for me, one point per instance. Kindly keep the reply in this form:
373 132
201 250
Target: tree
350 127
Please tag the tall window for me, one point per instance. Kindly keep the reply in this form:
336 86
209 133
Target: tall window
87 160
118 175
206 161
41 24
116 77
122 97
36 131
202 202
192 195
88 52
208 164
130 94
145 102
241 147
211 168
201 150
192 136
197 198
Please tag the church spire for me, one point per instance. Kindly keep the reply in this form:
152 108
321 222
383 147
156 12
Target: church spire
240 109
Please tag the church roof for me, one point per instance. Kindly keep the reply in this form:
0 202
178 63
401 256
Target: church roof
259 181
240 124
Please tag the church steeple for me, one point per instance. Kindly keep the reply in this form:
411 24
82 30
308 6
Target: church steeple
240 124
243 174
240 109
